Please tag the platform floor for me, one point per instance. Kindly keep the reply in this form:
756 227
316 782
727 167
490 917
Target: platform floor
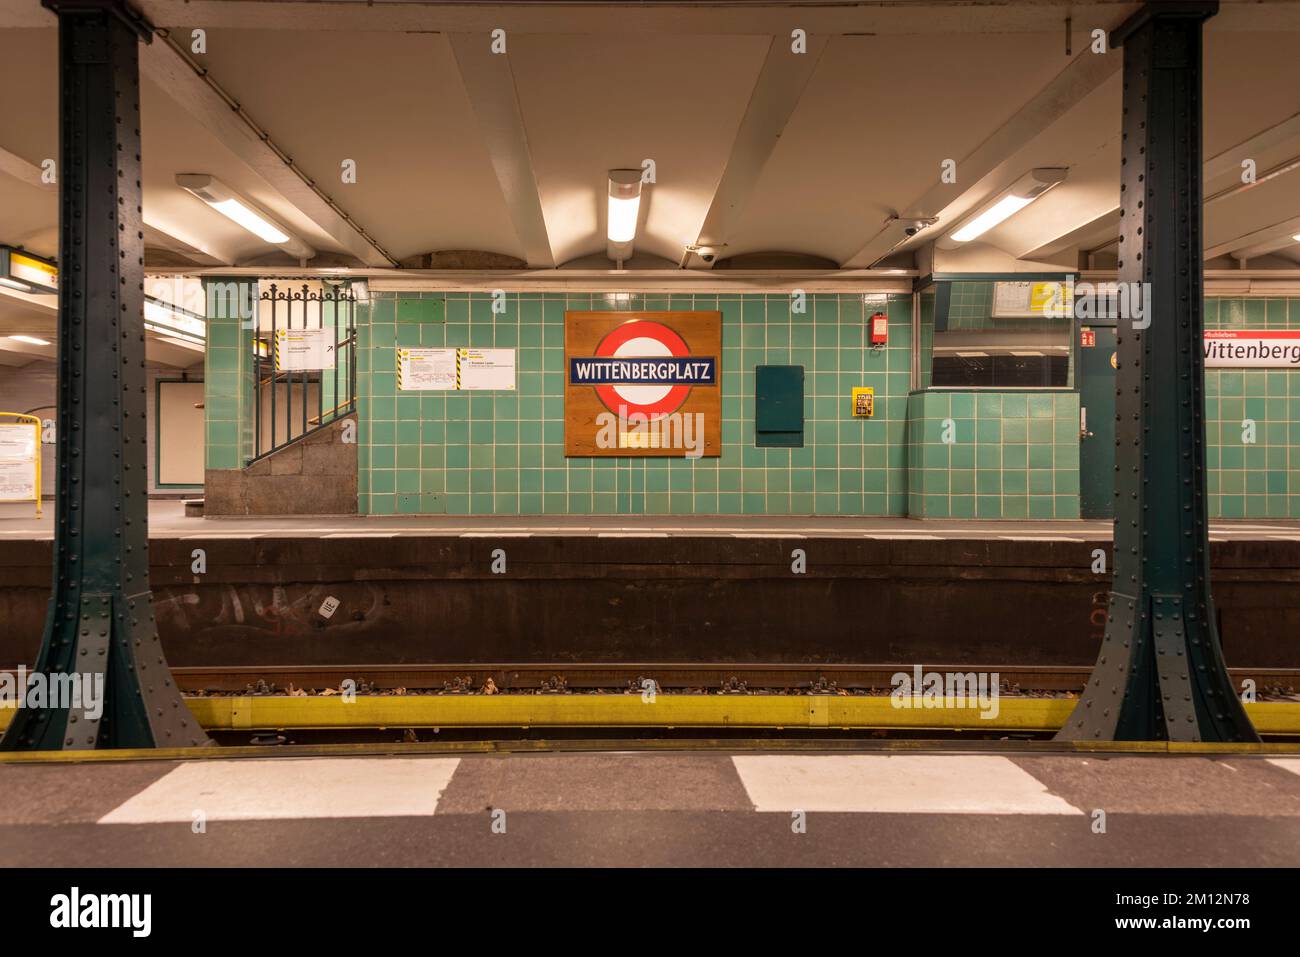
167 520
681 808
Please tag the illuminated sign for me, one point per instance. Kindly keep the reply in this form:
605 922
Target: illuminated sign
642 383
28 273
1274 348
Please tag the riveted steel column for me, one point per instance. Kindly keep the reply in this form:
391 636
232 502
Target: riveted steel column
1160 674
100 627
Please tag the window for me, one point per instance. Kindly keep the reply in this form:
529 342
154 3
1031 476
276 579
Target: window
972 348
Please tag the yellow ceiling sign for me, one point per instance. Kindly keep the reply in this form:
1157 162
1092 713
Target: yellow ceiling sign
30 273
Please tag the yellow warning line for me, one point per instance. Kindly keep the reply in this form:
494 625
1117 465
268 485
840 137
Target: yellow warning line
795 712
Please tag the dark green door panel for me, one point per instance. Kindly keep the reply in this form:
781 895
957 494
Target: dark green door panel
778 407
1097 449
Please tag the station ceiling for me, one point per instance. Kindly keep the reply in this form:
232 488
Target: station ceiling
756 150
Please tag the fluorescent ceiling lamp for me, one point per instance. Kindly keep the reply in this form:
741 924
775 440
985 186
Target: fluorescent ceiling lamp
239 209
163 317
624 210
1023 192
30 340
183 343
237 212
1296 237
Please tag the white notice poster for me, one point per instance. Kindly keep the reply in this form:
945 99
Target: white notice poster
298 350
487 369
1027 300
18 451
424 370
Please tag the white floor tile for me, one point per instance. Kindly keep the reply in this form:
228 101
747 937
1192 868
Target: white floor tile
895 784
1287 764
285 788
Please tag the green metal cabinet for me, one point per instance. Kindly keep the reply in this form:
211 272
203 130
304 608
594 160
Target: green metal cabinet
778 407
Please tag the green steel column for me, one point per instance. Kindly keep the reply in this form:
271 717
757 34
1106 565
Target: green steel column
1161 674
100 626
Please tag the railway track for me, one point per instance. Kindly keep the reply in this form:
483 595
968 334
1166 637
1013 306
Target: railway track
713 677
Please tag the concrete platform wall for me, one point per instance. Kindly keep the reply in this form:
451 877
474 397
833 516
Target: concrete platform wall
681 599
316 475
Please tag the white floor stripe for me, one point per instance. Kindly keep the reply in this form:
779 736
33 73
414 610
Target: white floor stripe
895 784
1287 764
286 788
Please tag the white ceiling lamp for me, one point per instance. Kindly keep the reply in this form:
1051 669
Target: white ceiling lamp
30 340
183 343
173 324
240 210
624 210
1009 202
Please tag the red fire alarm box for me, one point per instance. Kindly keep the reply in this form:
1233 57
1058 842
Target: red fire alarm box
879 329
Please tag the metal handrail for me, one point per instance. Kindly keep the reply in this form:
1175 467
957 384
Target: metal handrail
295 308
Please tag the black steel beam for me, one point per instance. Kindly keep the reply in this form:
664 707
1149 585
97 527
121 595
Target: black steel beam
1160 674
100 631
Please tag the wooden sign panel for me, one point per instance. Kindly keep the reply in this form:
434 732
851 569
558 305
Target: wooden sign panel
643 383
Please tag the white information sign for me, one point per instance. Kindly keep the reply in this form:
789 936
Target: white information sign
18 451
298 350
1273 348
469 370
426 369
487 369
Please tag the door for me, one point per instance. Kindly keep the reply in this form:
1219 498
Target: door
179 449
1097 422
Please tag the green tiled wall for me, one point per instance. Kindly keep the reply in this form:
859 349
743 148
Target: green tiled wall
1259 480
1012 455
503 452
227 378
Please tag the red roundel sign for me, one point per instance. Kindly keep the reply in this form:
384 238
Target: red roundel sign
642 383
643 339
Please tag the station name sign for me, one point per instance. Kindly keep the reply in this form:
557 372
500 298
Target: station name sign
642 384
1244 348
674 371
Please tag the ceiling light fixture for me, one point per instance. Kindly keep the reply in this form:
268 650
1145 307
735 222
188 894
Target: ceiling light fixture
183 343
164 319
1009 202
624 210
240 210
30 340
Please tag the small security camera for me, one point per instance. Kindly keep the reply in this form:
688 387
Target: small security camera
707 253
913 226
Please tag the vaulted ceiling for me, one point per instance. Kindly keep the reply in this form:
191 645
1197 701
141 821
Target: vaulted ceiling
756 148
